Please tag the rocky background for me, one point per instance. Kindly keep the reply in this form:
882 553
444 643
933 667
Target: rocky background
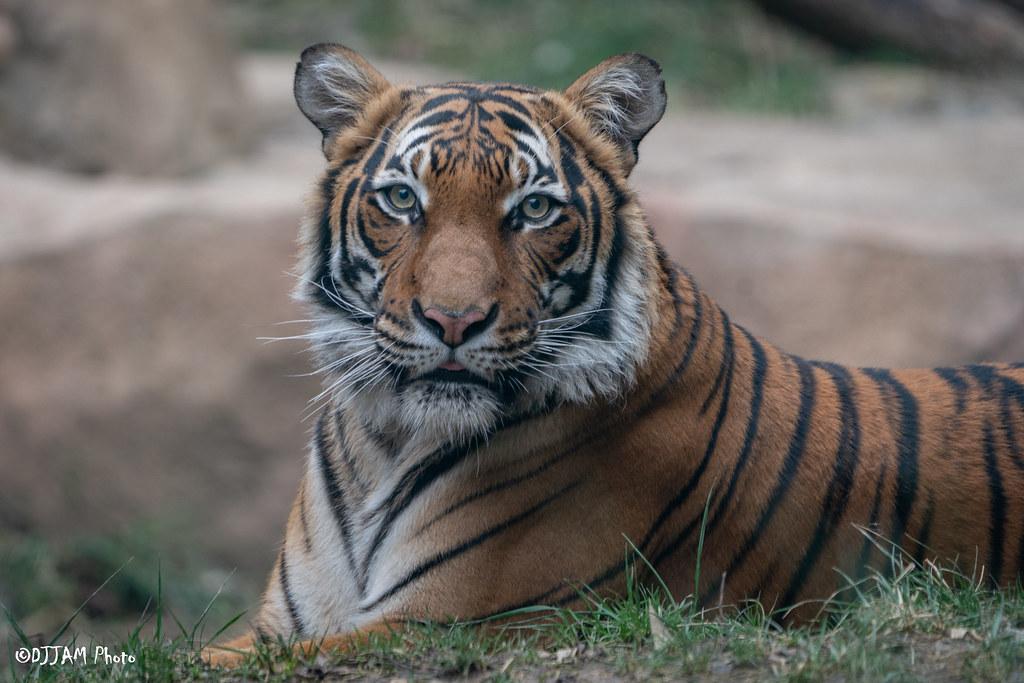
152 177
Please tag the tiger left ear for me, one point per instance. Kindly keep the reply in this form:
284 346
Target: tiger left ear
333 86
622 98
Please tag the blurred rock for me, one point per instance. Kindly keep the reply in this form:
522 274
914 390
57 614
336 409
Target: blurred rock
8 40
134 387
134 86
873 92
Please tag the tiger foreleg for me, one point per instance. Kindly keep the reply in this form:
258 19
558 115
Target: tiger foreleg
233 653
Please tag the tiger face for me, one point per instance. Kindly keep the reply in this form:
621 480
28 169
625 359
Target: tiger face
474 253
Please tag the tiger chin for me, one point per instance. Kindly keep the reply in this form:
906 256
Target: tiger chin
519 387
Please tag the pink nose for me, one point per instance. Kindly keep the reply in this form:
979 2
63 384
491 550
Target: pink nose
453 327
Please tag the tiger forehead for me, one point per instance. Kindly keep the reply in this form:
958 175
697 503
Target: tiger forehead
498 129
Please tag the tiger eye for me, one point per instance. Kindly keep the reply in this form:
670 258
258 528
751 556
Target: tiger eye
535 206
401 197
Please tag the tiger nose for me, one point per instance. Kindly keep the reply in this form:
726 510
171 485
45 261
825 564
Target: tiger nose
455 328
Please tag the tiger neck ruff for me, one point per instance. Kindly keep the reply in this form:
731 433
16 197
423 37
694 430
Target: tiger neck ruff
519 387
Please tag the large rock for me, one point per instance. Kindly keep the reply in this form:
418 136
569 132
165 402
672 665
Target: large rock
894 242
137 86
135 390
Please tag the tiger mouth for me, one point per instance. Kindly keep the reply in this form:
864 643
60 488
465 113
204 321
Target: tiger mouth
450 376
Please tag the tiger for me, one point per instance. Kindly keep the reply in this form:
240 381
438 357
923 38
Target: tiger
521 389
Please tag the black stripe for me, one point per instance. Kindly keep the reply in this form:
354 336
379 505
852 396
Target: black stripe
346 454
724 367
756 398
373 162
501 486
790 465
990 378
841 484
289 599
580 282
414 482
907 445
335 497
599 325
1009 432
1020 555
873 533
262 634
957 384
997 511
517 124
691 345
924 536
757 395
371 245
307 541
760 590
987 375
451 553
594 583
684 493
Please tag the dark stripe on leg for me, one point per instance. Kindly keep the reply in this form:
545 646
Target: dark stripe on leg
307 541
289 599
335 498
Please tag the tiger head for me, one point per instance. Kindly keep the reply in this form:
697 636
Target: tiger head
473 252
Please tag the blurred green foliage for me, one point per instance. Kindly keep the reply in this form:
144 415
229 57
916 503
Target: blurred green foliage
714 52
50 580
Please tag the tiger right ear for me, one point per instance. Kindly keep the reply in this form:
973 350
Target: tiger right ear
333 86
622 98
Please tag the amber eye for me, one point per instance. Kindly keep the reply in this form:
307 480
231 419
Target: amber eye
401 197
535 207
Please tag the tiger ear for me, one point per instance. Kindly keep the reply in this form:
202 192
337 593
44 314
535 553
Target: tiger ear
622 98
333 86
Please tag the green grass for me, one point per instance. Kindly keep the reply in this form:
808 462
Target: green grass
720 53
922 623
